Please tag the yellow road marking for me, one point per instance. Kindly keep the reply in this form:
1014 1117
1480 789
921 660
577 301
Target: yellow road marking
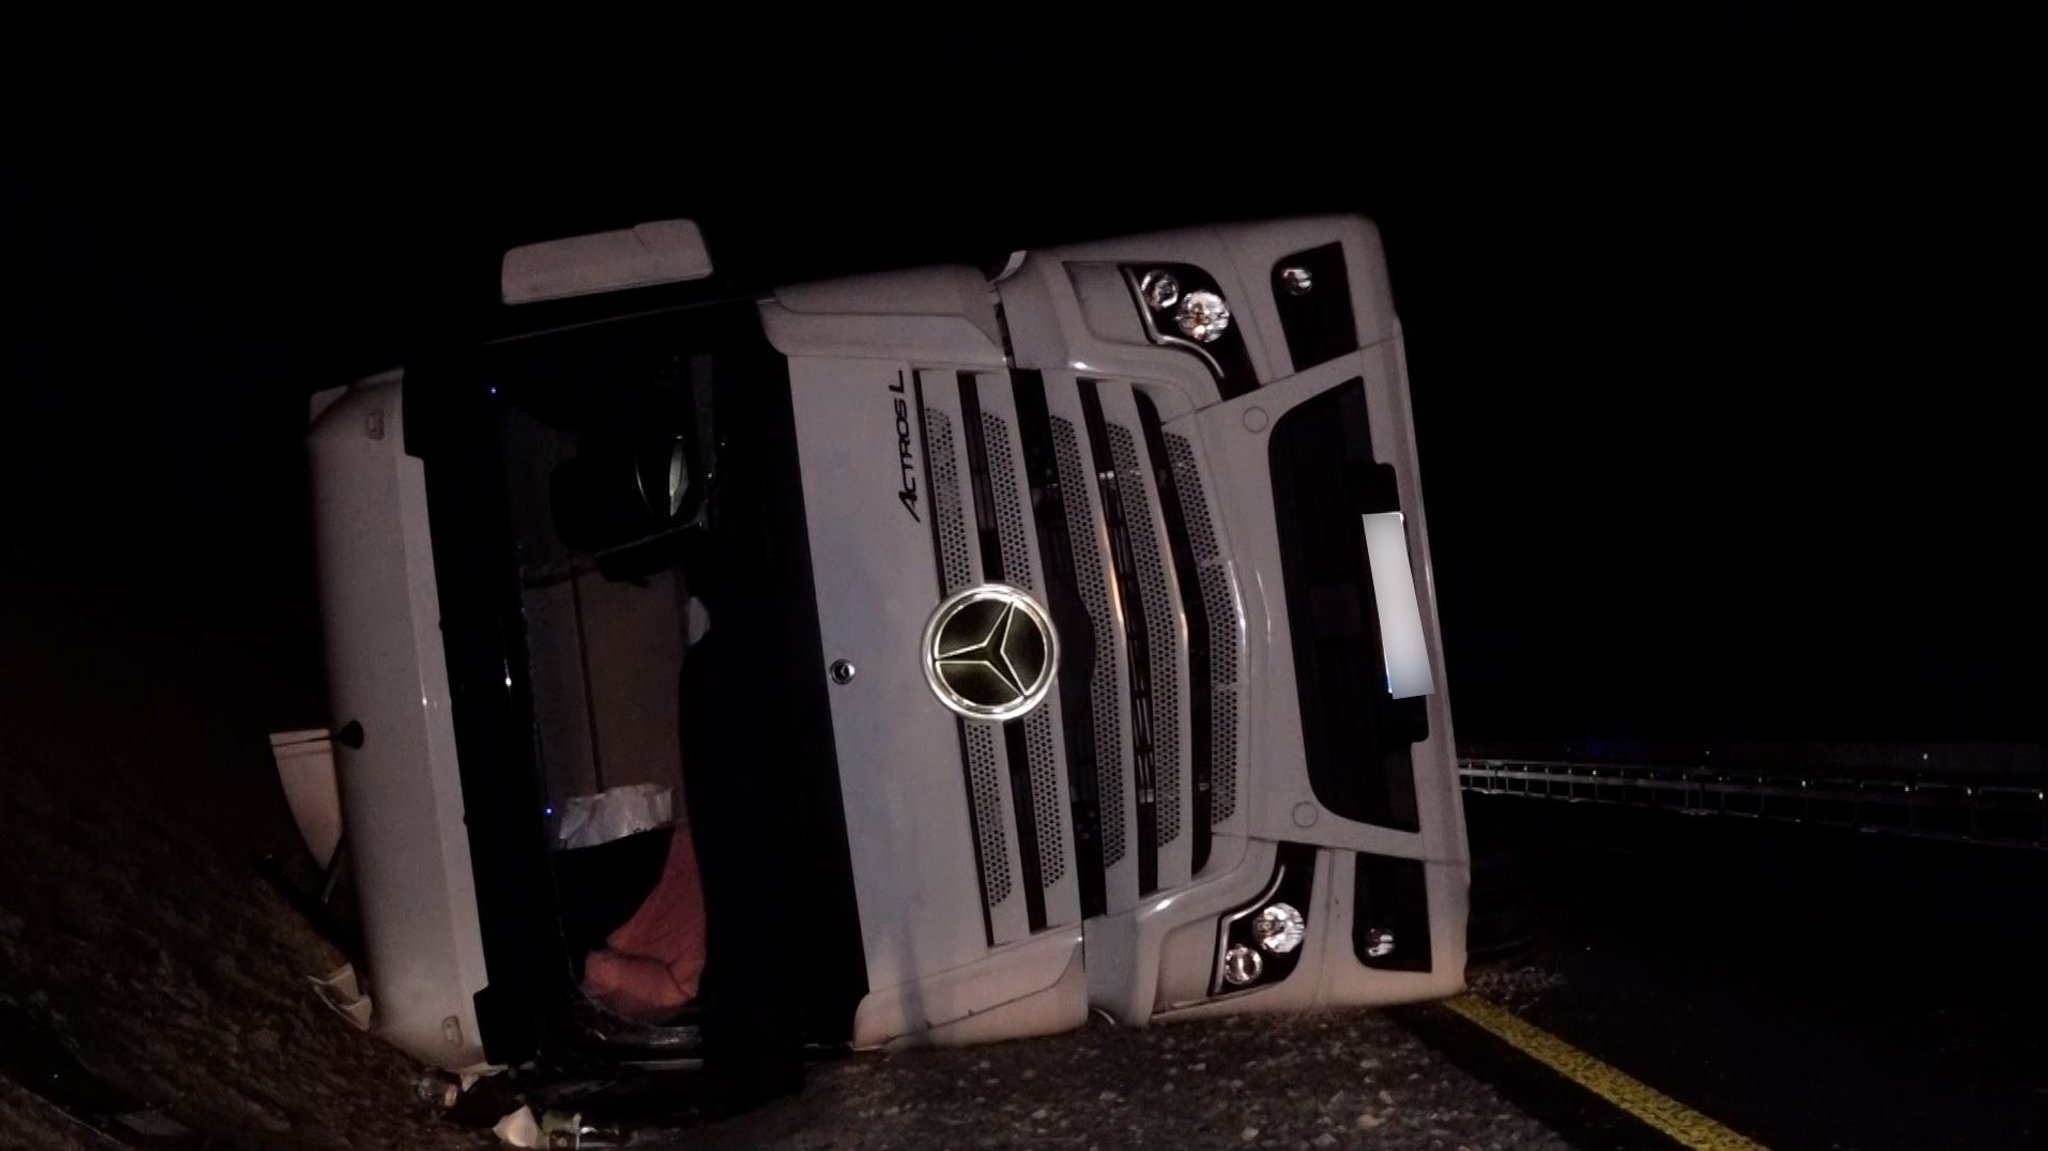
1632 1095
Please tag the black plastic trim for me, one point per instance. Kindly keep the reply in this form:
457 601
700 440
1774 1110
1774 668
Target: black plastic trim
1017 750
1392 894
1318 324
974 437
1357 737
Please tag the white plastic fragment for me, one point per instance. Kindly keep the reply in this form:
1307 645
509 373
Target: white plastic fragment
343 995
588 820
519 1129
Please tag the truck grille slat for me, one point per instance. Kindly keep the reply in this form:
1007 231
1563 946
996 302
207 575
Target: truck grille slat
1156 589
1194 634
1106 683
988 809
978 740
1220 603
1047 796
1010 527
1013 528
948 520
990 472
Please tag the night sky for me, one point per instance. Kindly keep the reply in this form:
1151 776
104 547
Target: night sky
1725 431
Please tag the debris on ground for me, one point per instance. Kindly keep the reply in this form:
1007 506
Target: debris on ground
1515 987
519 1129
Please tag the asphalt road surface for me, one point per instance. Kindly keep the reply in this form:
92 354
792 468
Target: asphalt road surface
1806 986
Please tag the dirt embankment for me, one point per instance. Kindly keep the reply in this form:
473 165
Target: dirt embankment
132 922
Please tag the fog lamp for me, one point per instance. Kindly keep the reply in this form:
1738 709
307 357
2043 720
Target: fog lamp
1242 965
1160 290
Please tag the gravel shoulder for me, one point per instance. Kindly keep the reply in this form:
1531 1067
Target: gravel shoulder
133 924
1349 1079
27 1121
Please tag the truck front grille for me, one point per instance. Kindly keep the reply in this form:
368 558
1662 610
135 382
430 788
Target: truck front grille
1066 488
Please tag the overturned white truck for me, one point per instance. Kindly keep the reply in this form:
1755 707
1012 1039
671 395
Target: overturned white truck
932 656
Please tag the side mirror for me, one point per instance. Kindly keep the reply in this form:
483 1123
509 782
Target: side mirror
644 469
663 252
661 470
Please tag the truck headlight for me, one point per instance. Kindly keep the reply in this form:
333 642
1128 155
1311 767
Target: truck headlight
1203 317
1279 928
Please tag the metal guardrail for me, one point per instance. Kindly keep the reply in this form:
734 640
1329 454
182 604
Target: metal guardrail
2007 814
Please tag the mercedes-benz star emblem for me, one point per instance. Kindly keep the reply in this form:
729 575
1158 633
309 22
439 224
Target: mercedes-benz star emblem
990 652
